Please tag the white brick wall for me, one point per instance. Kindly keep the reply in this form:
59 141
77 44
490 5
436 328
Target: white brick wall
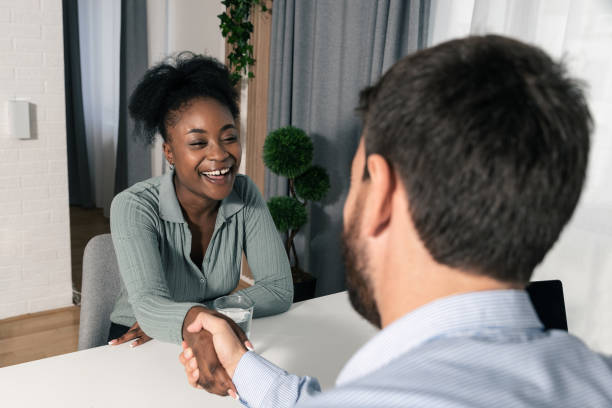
34 221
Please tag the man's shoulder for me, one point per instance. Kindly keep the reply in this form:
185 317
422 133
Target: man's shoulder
476 386
557 370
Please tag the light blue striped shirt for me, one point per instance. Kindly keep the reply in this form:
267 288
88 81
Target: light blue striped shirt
482 349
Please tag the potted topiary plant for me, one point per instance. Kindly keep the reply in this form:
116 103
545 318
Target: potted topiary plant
288 152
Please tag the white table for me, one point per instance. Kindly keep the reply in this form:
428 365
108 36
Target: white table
315 337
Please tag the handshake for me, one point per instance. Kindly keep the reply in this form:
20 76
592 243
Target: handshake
212 347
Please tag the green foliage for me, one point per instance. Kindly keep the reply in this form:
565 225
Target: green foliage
313 184
237 29
287 213
288 151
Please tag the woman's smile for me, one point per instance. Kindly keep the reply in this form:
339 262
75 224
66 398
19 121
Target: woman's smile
220 175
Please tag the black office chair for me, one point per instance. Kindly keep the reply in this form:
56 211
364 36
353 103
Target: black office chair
547 299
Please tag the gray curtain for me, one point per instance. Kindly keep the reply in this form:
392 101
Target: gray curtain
133 155
323 52
80 191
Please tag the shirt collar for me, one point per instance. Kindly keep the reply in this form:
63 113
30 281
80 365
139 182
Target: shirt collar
170 209
465 313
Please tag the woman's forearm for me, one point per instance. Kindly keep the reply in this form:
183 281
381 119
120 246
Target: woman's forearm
161 318
270 297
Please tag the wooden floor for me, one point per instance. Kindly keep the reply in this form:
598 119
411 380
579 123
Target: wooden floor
38 335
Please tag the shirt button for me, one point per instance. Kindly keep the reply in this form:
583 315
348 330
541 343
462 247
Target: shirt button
203 280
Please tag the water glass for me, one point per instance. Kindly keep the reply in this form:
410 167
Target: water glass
239 308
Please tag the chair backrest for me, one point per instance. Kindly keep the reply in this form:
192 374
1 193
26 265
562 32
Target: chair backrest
101 287
548 302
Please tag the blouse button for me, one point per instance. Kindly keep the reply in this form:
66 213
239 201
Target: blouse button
203 280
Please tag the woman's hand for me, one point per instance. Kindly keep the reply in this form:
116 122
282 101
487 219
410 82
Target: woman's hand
230 344
135 332
209 372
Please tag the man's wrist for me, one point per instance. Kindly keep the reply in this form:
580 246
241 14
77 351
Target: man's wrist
231 366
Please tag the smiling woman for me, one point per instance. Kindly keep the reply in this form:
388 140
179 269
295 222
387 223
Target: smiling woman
179 238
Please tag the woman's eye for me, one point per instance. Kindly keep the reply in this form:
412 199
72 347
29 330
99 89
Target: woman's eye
198 144
230 139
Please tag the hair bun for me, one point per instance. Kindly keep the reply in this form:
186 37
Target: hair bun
173 82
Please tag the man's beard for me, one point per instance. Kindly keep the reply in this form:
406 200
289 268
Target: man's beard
358 285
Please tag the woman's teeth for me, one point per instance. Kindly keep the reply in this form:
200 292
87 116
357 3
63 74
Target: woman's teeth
218 172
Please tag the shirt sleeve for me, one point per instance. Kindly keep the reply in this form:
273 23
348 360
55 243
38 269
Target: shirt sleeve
134 229
261 384
272 291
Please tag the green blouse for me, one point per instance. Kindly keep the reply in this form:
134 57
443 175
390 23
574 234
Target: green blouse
161 282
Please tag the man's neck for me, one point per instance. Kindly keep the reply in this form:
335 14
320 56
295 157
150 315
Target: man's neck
412 291
404 274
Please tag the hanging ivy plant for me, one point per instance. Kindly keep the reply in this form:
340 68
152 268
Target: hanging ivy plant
237 28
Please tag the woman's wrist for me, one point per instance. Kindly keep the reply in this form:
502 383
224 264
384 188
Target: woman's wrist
189 318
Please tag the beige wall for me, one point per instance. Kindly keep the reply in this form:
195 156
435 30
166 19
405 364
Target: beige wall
34 221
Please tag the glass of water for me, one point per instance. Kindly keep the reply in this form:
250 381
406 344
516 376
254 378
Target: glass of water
239 308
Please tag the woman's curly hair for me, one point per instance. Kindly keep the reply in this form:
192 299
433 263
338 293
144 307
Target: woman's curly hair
174 82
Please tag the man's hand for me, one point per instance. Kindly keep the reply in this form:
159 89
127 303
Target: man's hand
135 332
210 373
191 369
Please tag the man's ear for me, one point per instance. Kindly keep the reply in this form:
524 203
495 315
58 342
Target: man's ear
377 207
168 152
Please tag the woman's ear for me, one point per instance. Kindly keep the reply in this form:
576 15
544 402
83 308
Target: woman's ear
168 152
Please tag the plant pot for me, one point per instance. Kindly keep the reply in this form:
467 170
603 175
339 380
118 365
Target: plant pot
304 285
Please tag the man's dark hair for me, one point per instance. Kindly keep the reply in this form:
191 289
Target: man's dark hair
172 84
490 138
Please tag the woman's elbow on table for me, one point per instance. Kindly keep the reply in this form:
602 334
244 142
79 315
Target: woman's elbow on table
278 300
284 290
286 299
